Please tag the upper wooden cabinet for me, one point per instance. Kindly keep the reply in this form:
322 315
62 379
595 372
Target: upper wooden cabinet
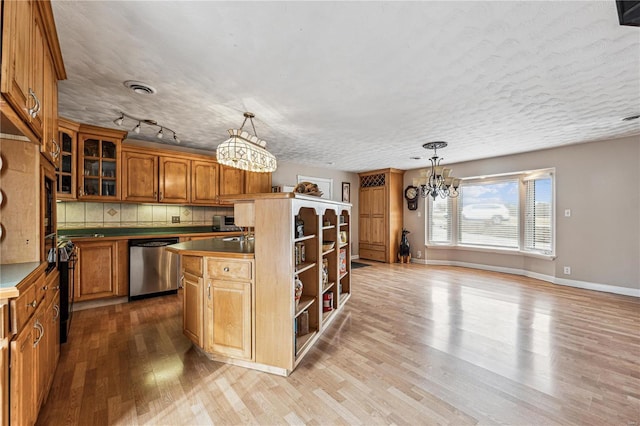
99 163
67 159
148 177
175 180
139 176
255 183
380 224
31 65
231 181
204 182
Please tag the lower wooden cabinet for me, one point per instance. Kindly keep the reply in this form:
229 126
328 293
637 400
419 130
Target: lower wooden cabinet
23 377
229 314
4 363
192 312
102 269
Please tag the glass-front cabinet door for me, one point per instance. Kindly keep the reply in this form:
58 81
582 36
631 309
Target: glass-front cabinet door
66 172
99 168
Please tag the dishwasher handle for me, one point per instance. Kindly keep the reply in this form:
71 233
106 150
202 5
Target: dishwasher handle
160 242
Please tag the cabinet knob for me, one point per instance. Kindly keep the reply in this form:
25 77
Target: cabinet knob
226 269
45 288
32 304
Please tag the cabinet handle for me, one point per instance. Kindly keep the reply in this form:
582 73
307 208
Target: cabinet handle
56 151
33 112
226 269
40 329
32 304
155 194
80 192
209 291
57 309
45 288
160 199
181 282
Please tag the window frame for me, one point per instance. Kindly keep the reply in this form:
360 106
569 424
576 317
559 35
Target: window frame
521 177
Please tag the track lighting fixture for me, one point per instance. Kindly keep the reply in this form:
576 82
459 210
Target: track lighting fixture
160 135
118 121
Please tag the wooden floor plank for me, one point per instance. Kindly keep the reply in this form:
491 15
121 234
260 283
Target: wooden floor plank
415 344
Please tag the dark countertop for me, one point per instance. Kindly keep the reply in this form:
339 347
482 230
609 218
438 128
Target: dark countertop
217 247
134 231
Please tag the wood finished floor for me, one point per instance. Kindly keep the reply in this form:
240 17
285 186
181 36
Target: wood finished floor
416 345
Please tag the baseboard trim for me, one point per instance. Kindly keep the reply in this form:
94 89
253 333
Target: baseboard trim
625 291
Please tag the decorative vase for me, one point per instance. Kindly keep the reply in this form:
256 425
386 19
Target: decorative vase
298 286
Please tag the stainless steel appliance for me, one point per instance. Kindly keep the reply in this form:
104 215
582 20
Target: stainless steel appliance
66 264
224 223
153 270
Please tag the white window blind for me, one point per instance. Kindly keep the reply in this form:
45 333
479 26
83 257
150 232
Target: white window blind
488 213
439 220
538 223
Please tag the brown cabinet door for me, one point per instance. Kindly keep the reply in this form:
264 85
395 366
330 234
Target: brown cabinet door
192 318
255 183
204 182
175 184
17 56
364 231
232 318
4 381
50 147
39 47
231 181
96 270
66 172
23 377
139 177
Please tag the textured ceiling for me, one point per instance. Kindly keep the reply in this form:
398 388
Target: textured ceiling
357 85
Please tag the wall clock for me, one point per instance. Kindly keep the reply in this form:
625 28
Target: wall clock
411 194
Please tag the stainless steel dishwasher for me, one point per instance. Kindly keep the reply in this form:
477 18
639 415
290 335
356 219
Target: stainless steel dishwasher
153 270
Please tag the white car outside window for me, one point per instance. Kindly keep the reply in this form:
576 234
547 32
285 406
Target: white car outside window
496 213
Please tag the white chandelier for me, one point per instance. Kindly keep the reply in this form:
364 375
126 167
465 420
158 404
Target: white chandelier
245 151
437 180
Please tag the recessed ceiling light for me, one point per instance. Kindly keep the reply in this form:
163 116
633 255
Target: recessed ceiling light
416 158
633 117
139 87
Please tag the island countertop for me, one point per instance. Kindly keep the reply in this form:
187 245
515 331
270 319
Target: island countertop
218 247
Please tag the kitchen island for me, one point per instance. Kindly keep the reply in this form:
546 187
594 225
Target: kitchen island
240 300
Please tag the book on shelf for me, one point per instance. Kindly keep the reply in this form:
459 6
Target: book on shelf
343 260
302 324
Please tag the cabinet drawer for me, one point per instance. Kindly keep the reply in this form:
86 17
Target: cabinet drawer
372 255
192 264
229 269
23 307
372 247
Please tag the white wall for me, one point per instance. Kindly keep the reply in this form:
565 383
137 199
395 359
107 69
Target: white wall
599 182
287 174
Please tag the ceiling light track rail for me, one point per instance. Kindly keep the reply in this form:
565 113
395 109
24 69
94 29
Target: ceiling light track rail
161 132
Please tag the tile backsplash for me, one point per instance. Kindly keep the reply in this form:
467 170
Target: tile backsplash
113 215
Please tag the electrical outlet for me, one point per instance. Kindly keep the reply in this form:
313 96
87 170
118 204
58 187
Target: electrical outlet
567 213
175 219
419 254
567 270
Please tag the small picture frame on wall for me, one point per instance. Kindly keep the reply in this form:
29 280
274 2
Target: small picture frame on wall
346 192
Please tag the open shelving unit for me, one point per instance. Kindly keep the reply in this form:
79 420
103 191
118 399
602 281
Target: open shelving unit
285 331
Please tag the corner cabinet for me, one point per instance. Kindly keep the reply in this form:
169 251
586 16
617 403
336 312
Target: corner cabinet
99 163
380 217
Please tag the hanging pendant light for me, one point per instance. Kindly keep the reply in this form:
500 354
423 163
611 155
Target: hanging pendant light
437 180
245 151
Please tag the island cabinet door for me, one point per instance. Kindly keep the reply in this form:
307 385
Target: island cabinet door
231 302
192 320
